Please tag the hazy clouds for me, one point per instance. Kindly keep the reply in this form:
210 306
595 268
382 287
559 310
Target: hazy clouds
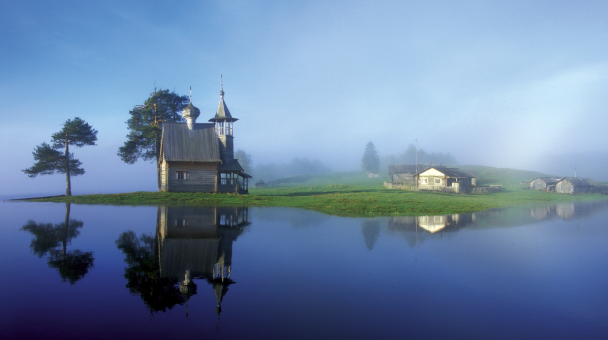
515 84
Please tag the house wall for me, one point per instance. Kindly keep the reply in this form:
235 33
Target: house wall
163 176
200 177
226 147
428 180
538 184
403 178
566 187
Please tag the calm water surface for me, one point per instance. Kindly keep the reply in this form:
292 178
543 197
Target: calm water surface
77 271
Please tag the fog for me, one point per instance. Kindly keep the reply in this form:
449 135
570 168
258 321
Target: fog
519 84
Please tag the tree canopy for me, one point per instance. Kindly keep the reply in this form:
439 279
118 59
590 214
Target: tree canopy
145 126
143 274
49 160
53 239
370 162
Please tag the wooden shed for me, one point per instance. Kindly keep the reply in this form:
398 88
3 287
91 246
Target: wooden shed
544 183
573 185
199 157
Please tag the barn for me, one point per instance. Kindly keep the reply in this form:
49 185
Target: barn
199 157
573 185
544 183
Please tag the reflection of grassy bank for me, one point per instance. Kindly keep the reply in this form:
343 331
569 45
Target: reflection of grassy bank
343 194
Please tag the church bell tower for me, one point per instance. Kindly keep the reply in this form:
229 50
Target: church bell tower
223 128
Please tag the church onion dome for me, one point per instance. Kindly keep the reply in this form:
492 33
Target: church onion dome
191 111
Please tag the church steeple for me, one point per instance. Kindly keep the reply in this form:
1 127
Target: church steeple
224 127
222 115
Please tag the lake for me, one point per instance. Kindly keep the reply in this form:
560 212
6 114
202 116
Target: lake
108 272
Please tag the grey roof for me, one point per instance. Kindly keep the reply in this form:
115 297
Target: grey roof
549 180
230 166
450 172
222 112
579 181
406 168
197 145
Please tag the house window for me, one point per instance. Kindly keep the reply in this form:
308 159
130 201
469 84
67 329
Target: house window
437 180
181 175
425 180
180 223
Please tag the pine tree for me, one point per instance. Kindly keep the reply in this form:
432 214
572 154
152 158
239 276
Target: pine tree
49 160
145 127
370 162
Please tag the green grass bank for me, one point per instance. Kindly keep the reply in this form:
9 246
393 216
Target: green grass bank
352 194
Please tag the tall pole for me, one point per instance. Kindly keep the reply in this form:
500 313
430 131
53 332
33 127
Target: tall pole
416 156
416 179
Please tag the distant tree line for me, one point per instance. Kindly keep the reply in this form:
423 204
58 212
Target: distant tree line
297 166
409 157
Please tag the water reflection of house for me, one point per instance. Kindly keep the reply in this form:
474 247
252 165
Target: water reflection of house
565 210
428 225
196 243
540 213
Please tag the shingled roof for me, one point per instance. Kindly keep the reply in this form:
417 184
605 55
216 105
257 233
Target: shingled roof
549 180
197 145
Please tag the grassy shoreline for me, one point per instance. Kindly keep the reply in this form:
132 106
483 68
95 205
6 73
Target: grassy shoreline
363 198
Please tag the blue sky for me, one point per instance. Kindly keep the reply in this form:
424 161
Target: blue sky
518 84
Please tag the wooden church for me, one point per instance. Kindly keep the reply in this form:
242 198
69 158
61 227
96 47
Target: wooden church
199 157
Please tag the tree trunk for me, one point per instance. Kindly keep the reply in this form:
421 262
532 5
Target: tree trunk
65 229
68 184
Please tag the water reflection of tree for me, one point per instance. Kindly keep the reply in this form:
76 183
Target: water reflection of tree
142 274
71 265
371 232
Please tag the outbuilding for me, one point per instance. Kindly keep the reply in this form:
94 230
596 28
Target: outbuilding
573 185
544 183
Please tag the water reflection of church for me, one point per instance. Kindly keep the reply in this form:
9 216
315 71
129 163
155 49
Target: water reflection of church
196 243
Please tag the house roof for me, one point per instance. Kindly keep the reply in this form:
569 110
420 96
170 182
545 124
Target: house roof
230 166
197 145
579 181
450 172
549 180
406 168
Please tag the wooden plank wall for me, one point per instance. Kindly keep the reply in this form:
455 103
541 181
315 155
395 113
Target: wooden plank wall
226 147
201 177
